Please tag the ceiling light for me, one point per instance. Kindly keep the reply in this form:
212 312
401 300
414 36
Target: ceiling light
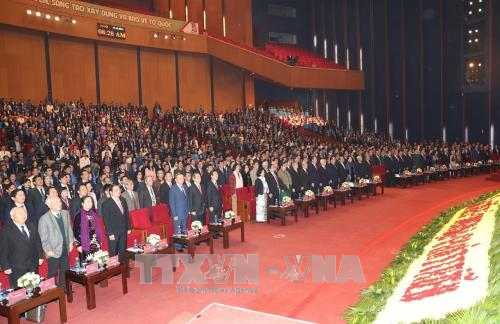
479 64
38 13
47 16
29 12
155 35
165 36
476 40
470 41
56 18
470 31
471 64
73 21
479 9
477 31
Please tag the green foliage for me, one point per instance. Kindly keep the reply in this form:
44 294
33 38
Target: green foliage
374 298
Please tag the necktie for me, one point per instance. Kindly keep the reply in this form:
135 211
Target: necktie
23 229
42 192
132 197
199 188
119 203
153 197
182 189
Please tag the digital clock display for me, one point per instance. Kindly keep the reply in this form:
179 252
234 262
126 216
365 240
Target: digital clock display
111 31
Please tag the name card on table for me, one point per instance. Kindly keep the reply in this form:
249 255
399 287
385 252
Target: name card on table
191 233
113 261
148 248
237 219
227 222
17 295
92 268
163 244
47 284
204 229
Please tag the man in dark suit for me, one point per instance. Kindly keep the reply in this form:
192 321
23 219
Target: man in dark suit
221 170
342 170
116 222
76 203
214 198
20 247
38 194
274 185
333 174
196 200
165 188
178 202
147 196
314 174
64 182
18 199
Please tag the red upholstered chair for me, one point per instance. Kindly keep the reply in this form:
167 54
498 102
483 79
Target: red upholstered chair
133 236
139 220
160 215
105 244
4 280
43 270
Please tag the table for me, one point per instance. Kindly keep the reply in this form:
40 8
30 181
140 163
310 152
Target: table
342 195
359 190
444 174
373 187
12 312
404 181
191 241
305 204
323 199
282 212
130 255
430 175
220 228
419 177
89 282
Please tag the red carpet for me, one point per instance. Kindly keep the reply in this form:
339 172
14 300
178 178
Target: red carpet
373 228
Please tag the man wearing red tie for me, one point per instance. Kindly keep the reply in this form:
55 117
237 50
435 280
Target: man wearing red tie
117 222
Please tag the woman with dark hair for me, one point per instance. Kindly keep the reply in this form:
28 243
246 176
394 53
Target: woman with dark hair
247 181
261 192
87 229
138 181
235 182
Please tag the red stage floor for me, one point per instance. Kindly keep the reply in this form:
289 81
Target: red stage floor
373 228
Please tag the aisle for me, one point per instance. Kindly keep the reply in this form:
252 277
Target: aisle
373 228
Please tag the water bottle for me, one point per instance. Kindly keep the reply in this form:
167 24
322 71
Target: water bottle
77 263
179 229
215 219
135 245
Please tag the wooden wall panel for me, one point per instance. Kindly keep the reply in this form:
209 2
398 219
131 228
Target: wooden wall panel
178 9
213 9
239 20
228 92
194 81
158 78
249 91
22 64
71 81
161 8
118 74
195 11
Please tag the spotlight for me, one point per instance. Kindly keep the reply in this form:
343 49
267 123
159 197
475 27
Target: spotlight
155 35
183 38
479 9
173 36
470 41
47 16
470 31
471 3
56 18
476 40
477 31
38 13
29 12
165 36
73 21
471 64
479 64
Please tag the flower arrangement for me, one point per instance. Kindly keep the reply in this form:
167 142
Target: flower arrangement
100 257
376 178
444 168
363 182
287 201
490 161
154 239
345 186
309 194
418 171
29 280
327 190
479 163
432 169
196 225
467 165
229 215
406 173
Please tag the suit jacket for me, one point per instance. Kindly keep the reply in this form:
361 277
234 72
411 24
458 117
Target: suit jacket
164 192
18 252
75 207
196 200
35 198
342 172
115 221
50 234
145 199
273 184
132 203
178 202
333 175
32 215
214 198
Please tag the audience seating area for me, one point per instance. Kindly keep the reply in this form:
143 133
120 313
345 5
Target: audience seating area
280 52
306 57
